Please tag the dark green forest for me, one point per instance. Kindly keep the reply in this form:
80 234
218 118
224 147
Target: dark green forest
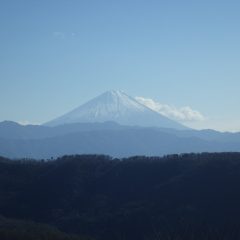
175 197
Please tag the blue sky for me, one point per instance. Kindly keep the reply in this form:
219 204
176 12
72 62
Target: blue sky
55 55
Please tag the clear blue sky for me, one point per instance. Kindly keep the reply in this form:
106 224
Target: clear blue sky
56 54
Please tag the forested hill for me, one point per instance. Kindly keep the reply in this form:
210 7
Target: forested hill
188 196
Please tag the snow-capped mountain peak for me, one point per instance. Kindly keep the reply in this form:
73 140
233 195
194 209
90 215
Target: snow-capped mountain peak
115 106
116 101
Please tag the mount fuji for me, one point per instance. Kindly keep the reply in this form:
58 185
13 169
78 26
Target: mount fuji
116 106
113 124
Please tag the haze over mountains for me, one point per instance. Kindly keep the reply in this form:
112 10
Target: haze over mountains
114 124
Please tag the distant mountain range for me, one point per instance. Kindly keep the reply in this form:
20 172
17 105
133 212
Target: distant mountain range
114 124
33 141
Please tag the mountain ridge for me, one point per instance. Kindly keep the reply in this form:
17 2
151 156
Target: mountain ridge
108 138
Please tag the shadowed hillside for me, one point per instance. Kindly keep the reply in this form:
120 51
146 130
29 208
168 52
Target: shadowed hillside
188 196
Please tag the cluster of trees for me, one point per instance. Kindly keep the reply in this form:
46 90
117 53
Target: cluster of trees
187 196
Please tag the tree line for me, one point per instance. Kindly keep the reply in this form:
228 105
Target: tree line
186 196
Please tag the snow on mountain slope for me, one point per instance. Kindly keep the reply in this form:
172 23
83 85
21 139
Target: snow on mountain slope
116 106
